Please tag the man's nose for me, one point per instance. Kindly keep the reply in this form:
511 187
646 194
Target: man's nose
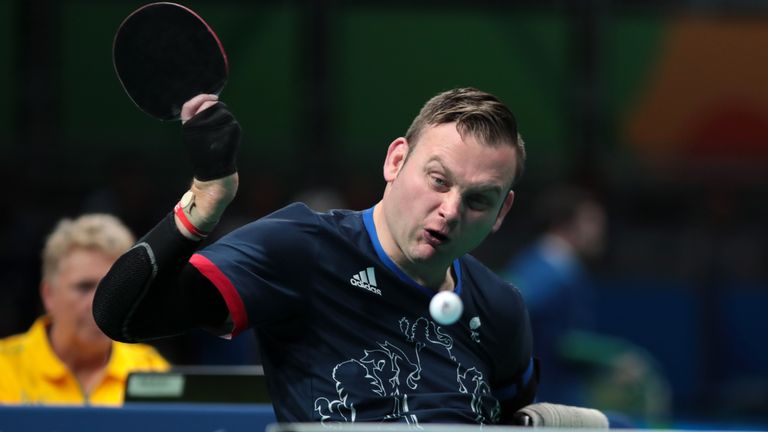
450 208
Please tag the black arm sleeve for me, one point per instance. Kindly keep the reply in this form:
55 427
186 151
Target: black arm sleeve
152 291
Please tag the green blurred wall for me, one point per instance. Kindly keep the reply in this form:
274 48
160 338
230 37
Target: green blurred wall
383 62
262 48
387 61
630 48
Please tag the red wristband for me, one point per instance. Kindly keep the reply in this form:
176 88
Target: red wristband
179 211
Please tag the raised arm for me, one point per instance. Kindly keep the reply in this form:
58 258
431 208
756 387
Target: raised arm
152 291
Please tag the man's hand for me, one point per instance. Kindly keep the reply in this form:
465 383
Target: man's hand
212 137
196 105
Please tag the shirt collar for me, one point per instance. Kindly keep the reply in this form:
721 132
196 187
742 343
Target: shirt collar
370 227
41 355
43 358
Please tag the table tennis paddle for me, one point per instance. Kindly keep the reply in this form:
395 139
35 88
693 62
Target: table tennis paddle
164 54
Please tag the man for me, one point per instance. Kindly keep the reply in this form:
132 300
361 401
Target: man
340 300
64 358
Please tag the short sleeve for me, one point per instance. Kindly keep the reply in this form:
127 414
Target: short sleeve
263 269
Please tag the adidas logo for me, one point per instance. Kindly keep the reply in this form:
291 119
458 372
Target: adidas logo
366 279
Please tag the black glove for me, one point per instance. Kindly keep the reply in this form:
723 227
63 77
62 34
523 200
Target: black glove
212 138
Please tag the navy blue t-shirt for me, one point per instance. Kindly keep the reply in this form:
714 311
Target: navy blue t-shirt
347 336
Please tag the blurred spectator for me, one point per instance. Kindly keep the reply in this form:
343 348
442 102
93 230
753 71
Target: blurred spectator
64 358
579 367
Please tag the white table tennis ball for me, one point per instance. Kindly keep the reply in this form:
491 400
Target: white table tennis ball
446 307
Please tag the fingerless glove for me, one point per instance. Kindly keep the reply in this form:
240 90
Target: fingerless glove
212 138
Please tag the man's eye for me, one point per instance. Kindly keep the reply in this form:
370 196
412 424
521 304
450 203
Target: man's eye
439 181
478 203
85 287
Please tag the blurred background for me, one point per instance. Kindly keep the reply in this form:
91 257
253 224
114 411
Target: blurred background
659 108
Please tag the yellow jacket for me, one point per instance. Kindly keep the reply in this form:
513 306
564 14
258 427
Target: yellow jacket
30 372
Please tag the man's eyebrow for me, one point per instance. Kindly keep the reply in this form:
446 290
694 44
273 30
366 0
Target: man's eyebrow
436 159
87 281
491 191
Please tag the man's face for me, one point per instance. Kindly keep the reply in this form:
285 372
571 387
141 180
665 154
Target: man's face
588 228
444 198
68 298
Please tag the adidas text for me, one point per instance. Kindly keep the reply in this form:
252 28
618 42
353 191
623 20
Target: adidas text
365 279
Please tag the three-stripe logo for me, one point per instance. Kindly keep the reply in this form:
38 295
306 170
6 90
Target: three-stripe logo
365 279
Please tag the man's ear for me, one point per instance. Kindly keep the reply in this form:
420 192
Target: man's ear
396 154
46 294
510 198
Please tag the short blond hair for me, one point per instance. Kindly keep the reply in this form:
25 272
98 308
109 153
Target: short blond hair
476 113
97 231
